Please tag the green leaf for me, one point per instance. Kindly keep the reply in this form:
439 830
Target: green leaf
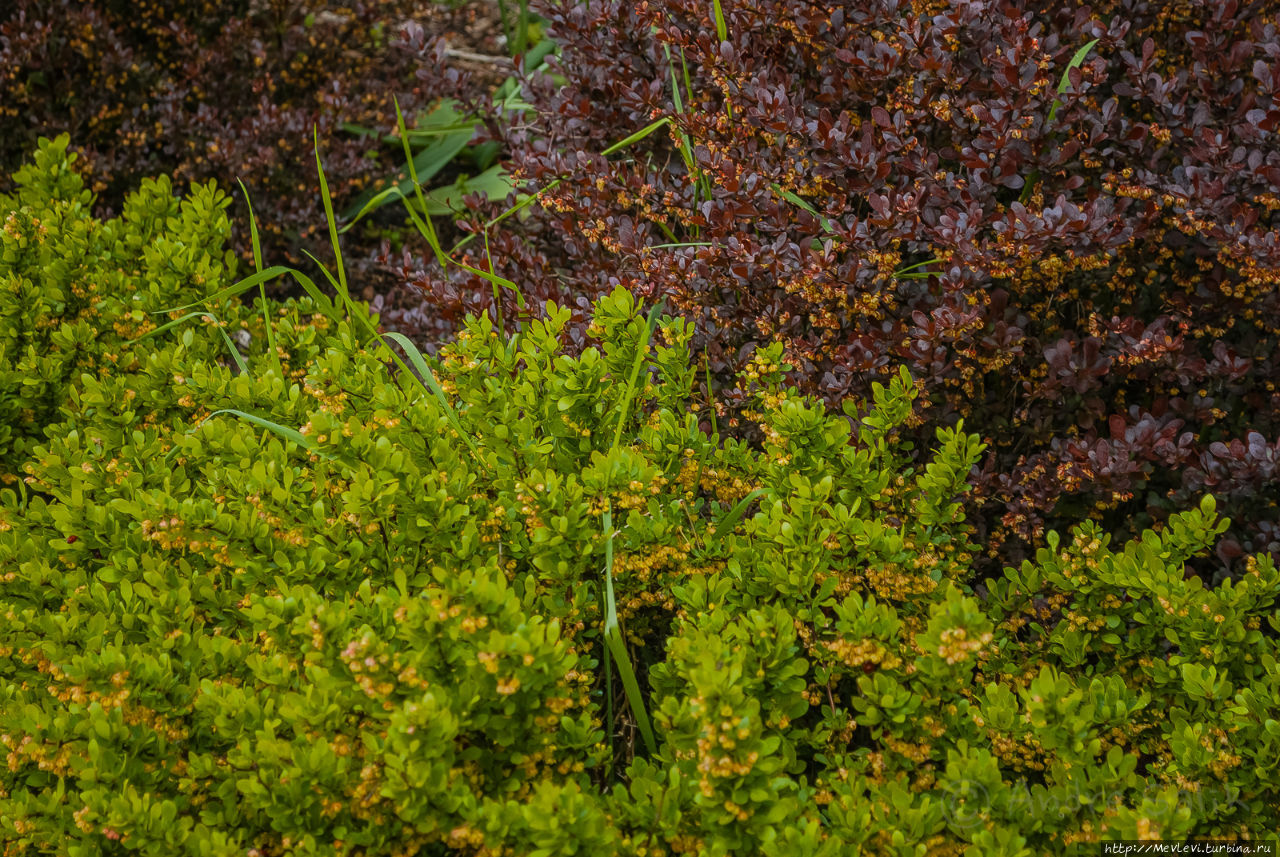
730 519
797 201
325 304
637 136
1066 75
444 133
494 184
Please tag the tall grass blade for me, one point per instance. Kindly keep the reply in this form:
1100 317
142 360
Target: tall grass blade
494 183
641 353
506 26
324 270
637 136
375 202
433 386
722 30
903 271
704 183
730 519
1076 61
330 219
686 147
538 53
262 286
800 202
675 244
442 133
235 352
495 280
326 306
283 431
522 40
612 633
530 199
618 647
711 405
424 226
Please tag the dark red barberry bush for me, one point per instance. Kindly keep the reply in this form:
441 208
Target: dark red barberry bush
1079 260
200 89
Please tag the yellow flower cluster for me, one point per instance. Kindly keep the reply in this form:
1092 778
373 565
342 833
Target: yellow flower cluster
855 654
1022 754
957 646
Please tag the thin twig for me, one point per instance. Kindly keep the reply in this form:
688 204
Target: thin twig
454 53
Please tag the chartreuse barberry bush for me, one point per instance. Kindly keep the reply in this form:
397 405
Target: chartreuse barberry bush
309 607
74 290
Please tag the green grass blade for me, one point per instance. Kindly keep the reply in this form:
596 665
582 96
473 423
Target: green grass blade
253 280
324 270
798 201
612 633
497 291
528 200
172 324
641 353
637 136
675 244
253 228
902 271
506 27
618 646
688 82
421 136
730 519
1076 60
330 219
722 30
359 130
522 31
424 225
494 184
686 148
262 287
443 143
433 386
374 203
533 197
283 431
675 84
539 52
235 352
711 405
327 306
495 280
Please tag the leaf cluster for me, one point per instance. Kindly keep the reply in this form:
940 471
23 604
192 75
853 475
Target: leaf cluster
371 619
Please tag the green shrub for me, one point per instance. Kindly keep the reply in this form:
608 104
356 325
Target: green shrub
73 290
384 634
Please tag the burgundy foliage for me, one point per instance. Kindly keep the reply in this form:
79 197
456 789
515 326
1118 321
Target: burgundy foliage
200 89
1105 310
